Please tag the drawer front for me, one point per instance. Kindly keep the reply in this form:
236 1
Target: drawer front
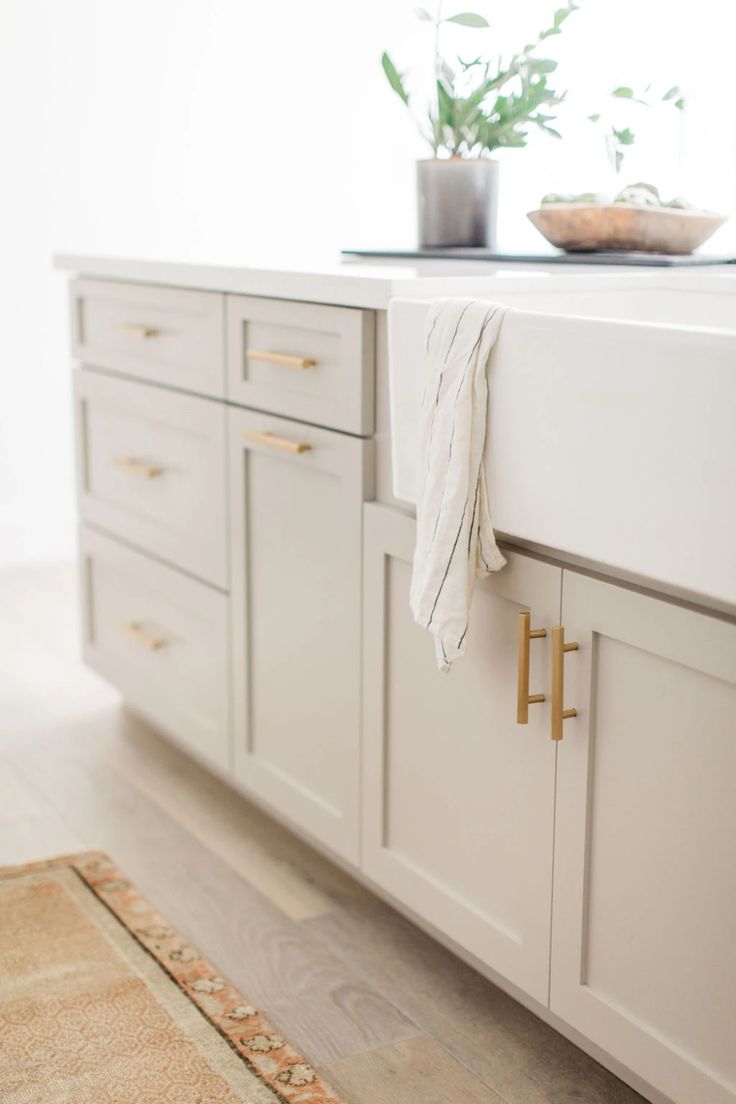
302 360
161 639
151 469
153 333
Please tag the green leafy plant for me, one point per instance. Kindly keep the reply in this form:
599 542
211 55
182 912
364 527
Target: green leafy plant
478 105
620 138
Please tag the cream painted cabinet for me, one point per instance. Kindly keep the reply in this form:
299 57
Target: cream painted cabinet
151 470
296 502
168 336
595 873
459 798
305 360
644 920
160 637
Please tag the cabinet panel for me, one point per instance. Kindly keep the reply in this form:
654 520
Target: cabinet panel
643 958
296 521
152 470
459 799
304 360
161 639
164 335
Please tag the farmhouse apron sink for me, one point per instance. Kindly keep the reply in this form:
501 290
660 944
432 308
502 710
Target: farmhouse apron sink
611 425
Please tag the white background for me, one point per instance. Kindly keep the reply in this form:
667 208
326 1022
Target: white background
243 131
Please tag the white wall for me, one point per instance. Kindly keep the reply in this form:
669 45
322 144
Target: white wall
236 130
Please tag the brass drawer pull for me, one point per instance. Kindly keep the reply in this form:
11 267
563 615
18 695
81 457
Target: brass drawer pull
286 359
558 712
138 329
153 643
276 442
523 698
137 467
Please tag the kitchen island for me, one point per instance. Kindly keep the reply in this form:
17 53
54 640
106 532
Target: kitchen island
245 572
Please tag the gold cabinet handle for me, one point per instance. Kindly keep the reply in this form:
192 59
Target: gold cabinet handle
138 329
523 698
286 359
153 643
273 441
137 467
558 713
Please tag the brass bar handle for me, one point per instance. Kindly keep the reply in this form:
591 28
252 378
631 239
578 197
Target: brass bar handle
558 713
275 442
138 329
153 643
287 359
523 698
137 467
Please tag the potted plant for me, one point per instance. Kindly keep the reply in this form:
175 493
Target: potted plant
477 107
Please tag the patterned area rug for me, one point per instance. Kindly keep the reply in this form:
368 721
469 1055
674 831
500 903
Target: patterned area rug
102 1002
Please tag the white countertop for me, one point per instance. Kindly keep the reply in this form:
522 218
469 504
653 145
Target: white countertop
370 285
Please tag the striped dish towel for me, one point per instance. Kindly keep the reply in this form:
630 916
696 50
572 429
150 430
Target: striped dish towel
455 539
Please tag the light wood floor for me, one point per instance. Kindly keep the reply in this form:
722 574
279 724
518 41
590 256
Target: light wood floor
385 1013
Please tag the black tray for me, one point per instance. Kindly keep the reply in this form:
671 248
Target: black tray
472 253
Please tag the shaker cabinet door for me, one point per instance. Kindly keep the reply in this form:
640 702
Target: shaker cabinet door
459 798
296 496
643 948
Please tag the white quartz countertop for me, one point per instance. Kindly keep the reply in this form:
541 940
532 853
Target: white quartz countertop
370 285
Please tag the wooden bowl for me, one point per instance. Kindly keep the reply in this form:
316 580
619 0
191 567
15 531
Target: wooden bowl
583 227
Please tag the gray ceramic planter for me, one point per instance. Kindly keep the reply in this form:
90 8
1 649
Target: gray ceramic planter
457 202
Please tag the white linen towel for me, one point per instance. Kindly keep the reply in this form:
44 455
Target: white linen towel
455 539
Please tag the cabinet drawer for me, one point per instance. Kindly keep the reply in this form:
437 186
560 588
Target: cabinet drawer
161 639
152 470
302 360
159 334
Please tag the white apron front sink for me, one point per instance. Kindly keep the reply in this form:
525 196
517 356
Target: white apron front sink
614 441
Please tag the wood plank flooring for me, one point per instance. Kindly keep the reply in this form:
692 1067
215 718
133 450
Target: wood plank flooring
387 1015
